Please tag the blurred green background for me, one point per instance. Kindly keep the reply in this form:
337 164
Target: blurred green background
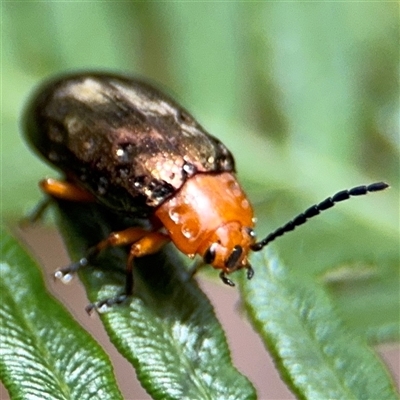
305 94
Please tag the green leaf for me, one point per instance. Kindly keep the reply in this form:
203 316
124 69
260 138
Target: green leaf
367 298
168 329
44 352
314 352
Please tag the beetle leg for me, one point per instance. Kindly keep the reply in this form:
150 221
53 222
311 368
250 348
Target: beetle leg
148 244
66 274
194 268
37 213
121 238
225 279
65 190
59 189
250 271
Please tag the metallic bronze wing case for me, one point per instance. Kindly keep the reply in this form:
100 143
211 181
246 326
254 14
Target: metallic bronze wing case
122 140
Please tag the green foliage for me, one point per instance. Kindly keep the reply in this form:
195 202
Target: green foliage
305 95
317 355
45 354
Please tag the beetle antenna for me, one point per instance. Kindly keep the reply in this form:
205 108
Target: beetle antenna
316 209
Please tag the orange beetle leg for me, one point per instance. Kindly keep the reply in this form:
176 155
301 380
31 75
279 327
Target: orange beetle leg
147 245
120 238
65 190
60 190
144 243
150 243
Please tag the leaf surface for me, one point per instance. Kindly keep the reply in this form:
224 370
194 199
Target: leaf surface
45 354
314 351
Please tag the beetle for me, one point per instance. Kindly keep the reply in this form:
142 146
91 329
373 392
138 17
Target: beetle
124 144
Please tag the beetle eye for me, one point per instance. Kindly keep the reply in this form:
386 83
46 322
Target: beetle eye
209 255
234 257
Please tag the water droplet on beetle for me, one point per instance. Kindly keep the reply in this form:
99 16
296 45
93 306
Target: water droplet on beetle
122 155
234 188
190 169
245 204
174 214
189 232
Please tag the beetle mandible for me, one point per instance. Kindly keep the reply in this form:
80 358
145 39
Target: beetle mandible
126 145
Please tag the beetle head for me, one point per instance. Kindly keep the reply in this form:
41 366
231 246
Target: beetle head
227 248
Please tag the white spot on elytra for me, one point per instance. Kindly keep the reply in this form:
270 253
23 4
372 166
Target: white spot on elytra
141 101
87 91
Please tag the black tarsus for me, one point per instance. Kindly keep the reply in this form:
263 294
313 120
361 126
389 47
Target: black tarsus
91 255
317 208
37 213
72 268
225 279
250 272
110 302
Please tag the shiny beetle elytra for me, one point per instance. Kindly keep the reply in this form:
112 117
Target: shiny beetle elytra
122 143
